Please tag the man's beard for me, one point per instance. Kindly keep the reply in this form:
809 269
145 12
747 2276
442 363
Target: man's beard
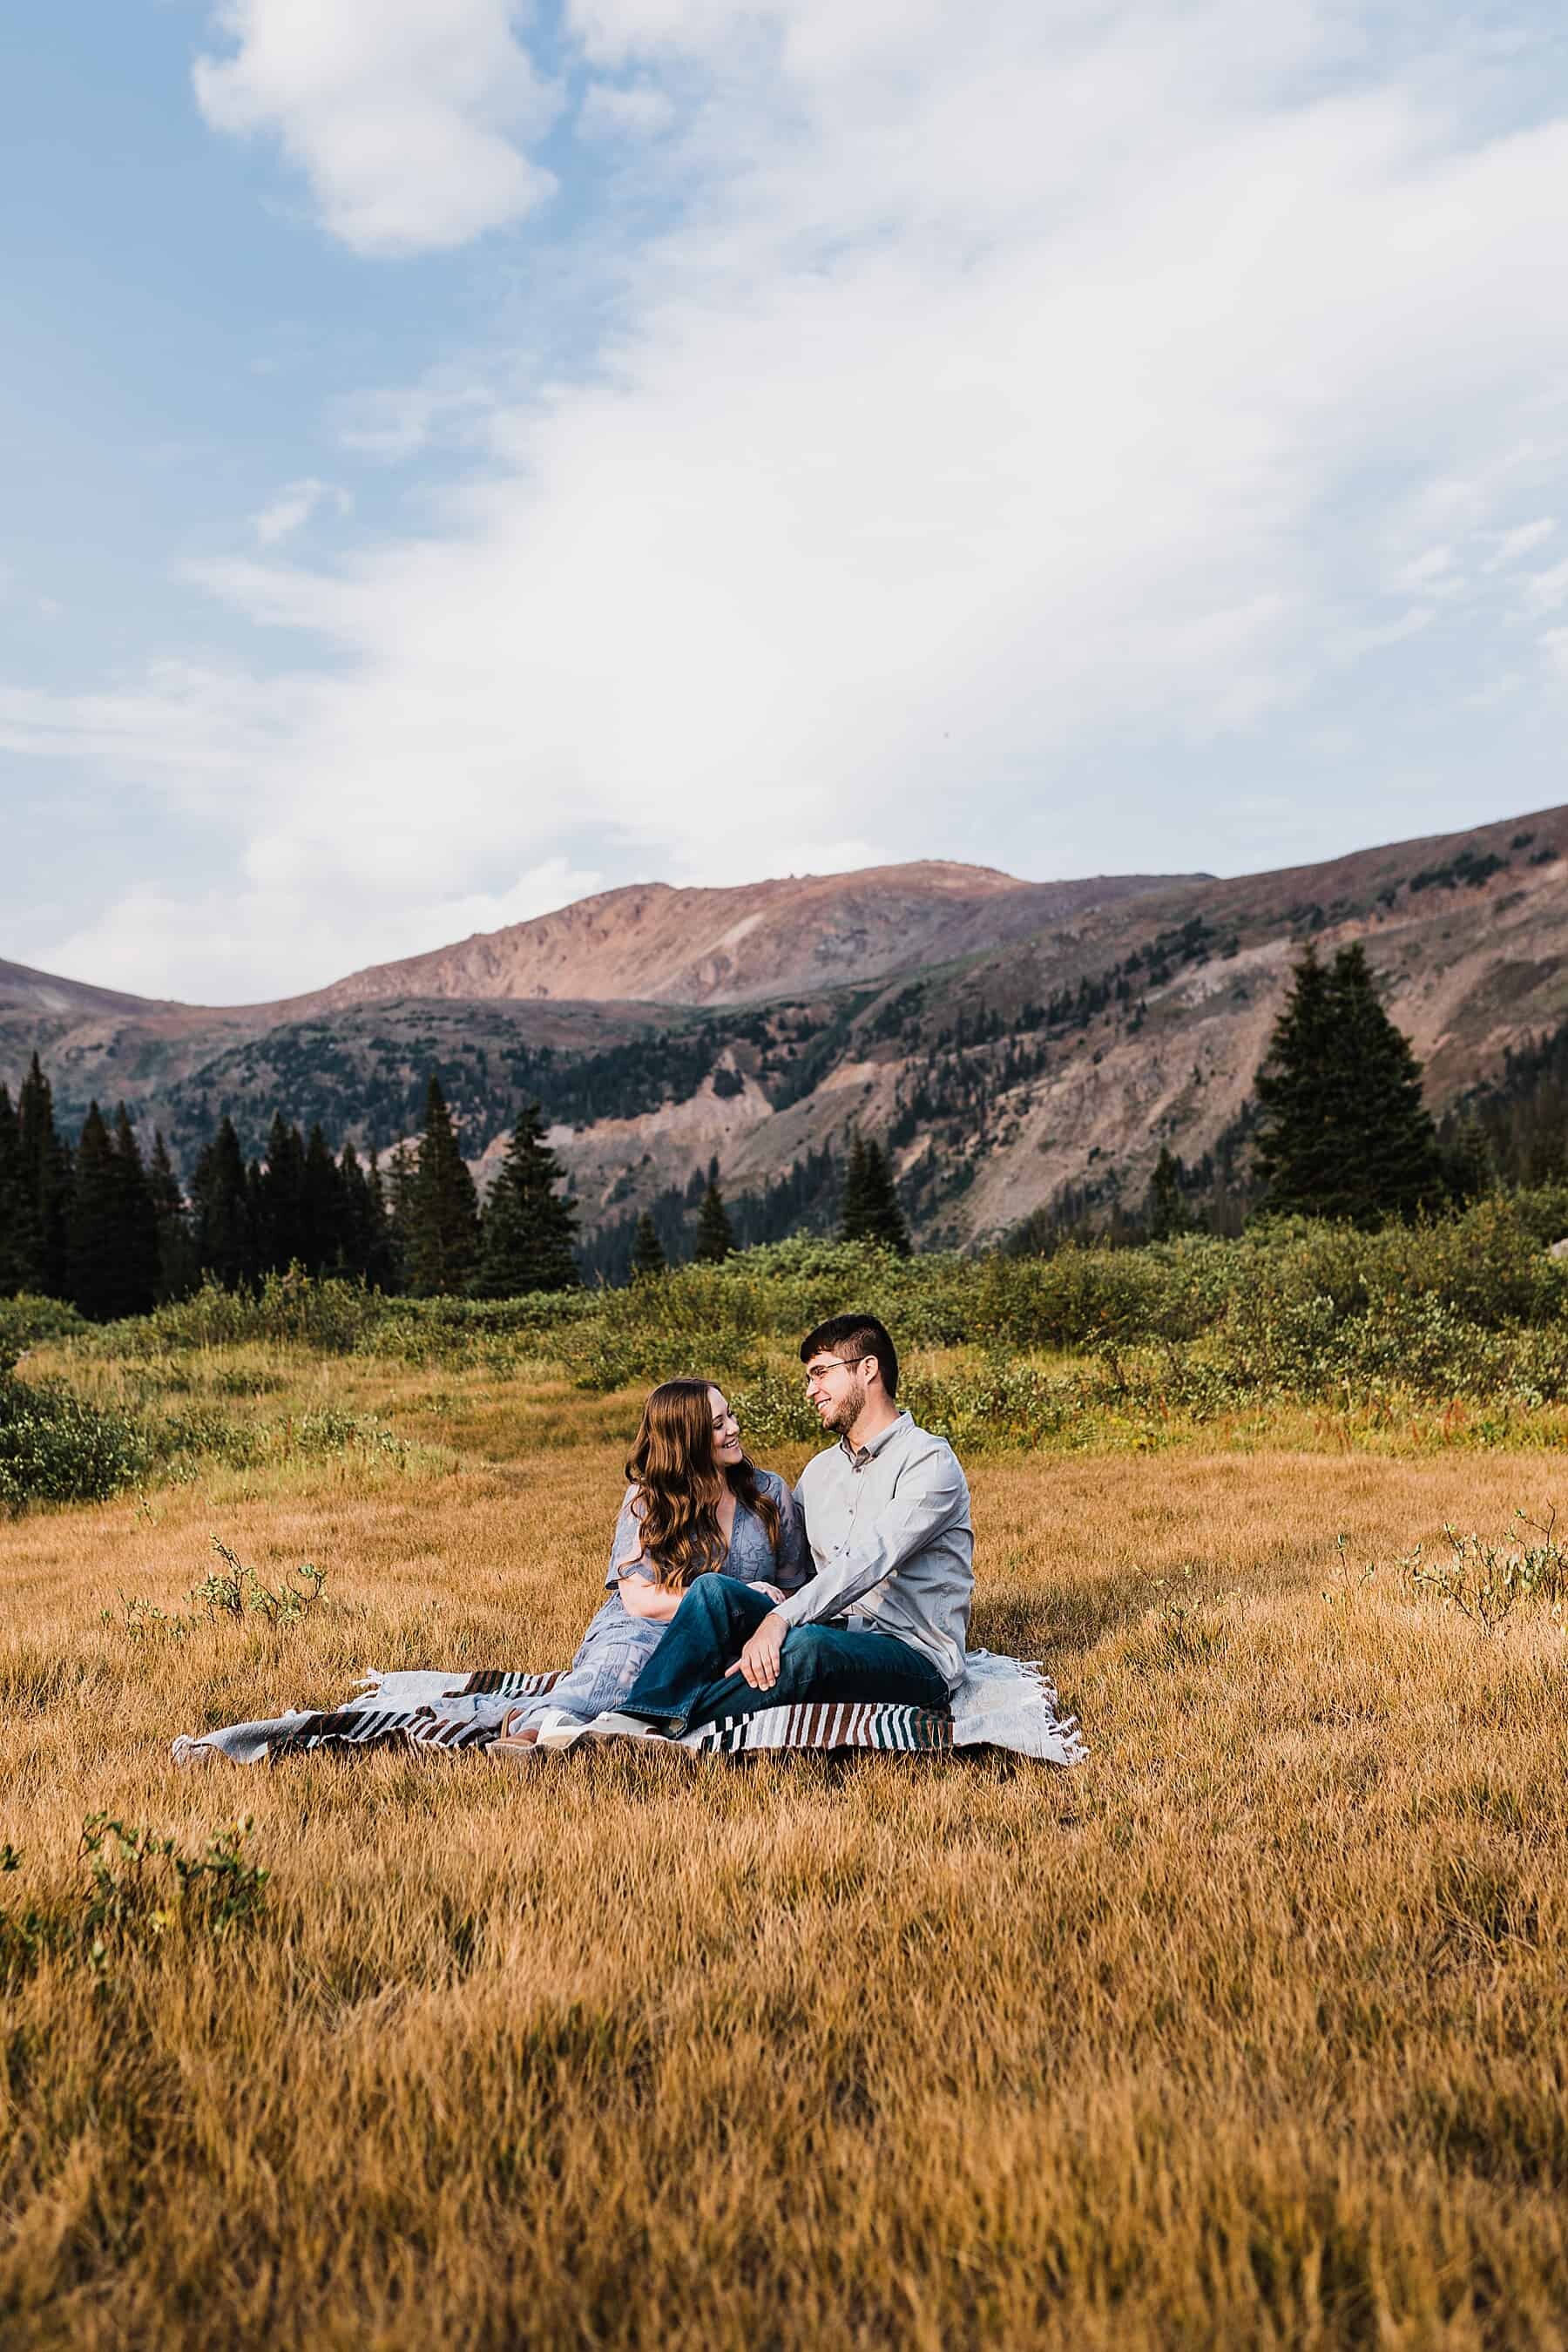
847 1412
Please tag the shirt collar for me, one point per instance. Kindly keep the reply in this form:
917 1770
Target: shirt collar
860 1455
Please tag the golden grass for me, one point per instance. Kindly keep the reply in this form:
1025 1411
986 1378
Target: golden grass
1251 2032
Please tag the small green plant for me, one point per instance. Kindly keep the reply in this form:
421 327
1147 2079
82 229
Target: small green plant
231 1592
1483 1581
1350 1580
140 1887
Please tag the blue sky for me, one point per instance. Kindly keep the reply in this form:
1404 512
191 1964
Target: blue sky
454 457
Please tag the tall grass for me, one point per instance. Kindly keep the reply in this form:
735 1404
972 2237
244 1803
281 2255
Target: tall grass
1251 2032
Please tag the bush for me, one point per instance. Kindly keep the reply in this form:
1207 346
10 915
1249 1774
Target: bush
28 1322
55 1448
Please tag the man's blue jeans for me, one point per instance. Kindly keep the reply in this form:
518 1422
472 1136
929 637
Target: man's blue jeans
685 1683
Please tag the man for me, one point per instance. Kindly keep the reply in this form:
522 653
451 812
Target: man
885 1616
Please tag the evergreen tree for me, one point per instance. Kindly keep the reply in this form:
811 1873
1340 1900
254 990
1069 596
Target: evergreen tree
222 1202
45 1187
177 1271
1469 1171
870 1211
362 1247
529 1228
281 1239
715 1234
321 1206
884 1216
138 1222
15 1257
441 1242
382 1266
1345 1133
399 1190
854 1208
1165 1209
647 1250
93 1235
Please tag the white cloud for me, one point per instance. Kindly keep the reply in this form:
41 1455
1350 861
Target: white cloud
395 423
293 507
998 405
409 118
1545 590
632 110
1519 542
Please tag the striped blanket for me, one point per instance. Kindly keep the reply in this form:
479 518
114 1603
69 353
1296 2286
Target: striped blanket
1001 1703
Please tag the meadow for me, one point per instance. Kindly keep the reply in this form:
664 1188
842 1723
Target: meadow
1251 2030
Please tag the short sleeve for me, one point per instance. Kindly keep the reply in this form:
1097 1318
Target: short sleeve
627 1541
792 1562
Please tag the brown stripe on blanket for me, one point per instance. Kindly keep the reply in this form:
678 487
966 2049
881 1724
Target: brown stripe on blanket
497 1682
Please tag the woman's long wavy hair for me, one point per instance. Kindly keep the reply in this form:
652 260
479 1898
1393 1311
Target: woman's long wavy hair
672 1466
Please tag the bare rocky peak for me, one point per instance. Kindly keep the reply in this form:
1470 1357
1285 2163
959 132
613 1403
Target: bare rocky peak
663 945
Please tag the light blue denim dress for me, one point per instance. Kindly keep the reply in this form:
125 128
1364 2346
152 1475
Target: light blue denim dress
618 1645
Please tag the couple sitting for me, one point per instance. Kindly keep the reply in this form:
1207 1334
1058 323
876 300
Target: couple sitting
731 1595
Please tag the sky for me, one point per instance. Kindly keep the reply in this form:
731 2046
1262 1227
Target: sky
457 456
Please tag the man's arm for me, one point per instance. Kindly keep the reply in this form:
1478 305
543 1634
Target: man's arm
929 1494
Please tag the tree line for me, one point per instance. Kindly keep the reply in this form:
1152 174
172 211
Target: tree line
110 1229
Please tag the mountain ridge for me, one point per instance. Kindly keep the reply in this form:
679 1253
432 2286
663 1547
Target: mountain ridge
1002 1076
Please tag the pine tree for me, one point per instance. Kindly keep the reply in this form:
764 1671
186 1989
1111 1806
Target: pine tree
14 1259
715 1234
529 1227
1470 1170
93 1235
1165 1209
647 1250
176 1243
854 1208
223 1203
137 1220
45 1187
1345 1133
320 1205
399 1189
361 1247
382 1266
870 1210
281 1239
442 1225
884 1216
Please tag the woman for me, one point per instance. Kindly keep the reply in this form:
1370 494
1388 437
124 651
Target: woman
695 1506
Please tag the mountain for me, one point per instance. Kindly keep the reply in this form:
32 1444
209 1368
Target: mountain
26 991
1010 1046
664 946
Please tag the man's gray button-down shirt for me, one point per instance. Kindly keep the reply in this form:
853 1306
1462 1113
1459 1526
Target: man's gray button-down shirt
889 1530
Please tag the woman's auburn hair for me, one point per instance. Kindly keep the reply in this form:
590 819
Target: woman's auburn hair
671 1462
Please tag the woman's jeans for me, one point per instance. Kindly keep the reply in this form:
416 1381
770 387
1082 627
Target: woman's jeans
685 1683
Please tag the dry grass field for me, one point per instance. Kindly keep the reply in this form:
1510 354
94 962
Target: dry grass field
1253 2031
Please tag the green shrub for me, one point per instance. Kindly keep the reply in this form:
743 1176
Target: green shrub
55 1448
28 1322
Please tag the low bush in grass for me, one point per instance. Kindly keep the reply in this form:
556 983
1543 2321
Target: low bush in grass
28 1322
56 1447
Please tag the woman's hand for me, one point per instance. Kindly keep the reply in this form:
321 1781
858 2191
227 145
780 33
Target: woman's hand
768 1591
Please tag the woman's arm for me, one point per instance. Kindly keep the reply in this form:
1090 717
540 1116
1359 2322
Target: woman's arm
640 1597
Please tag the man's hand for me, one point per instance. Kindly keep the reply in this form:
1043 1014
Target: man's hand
758 1662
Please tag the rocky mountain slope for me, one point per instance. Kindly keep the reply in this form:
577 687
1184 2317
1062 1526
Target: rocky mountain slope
663 945
1004 1064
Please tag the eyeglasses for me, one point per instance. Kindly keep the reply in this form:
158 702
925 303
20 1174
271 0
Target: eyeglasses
816 1373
